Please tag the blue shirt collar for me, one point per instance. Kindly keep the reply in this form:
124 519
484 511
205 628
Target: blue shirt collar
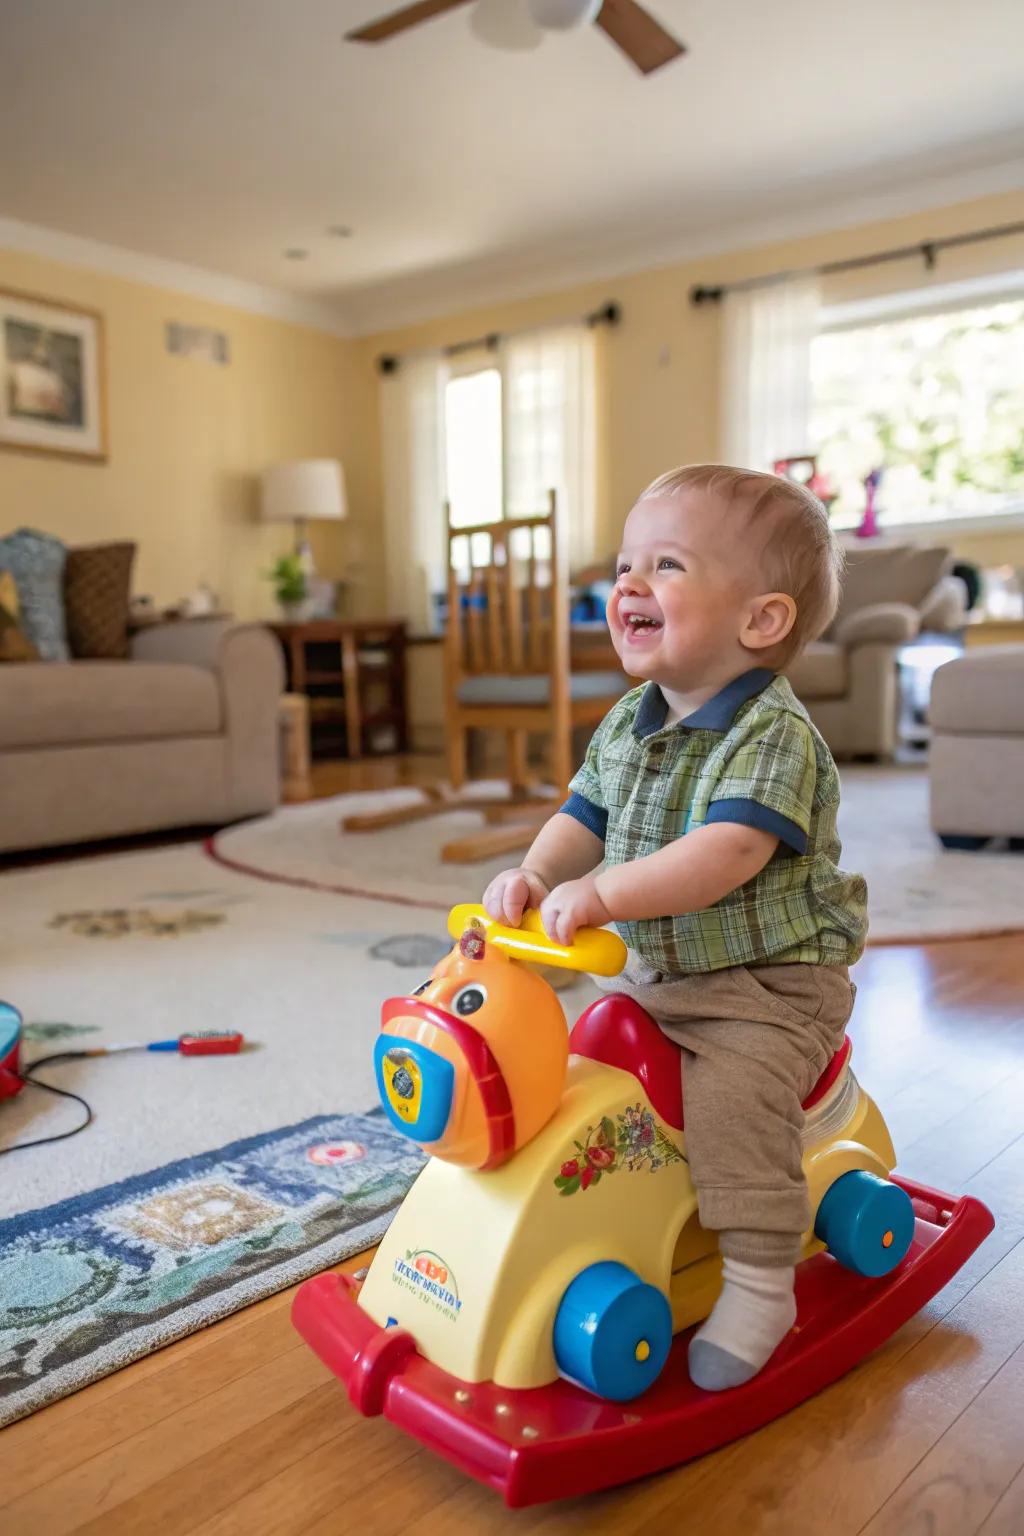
715 714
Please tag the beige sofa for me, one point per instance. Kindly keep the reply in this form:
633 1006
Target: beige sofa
848 680
183 733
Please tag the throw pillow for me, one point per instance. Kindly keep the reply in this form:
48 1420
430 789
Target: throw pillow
36 561
97 589
14 645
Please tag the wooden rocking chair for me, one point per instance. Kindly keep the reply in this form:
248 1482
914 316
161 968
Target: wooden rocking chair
506 663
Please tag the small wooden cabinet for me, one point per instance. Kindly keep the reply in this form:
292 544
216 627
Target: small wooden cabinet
352 671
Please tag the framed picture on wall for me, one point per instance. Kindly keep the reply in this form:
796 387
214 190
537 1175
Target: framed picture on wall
51 377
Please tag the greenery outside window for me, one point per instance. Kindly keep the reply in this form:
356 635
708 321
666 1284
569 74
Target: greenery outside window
937 400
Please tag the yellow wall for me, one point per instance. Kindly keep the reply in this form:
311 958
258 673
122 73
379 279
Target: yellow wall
658 371
188 440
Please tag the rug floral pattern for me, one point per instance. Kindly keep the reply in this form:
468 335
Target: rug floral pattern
92 1283
117 922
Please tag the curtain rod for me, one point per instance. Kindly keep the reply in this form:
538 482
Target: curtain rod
608 314
928 250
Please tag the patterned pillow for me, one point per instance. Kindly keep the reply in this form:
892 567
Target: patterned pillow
36 561
14 646
97 588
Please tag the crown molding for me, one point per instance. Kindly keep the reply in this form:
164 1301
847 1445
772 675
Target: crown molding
179 277
450 291
511 276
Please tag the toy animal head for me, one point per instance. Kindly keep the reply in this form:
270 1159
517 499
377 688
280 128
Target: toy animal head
472 1065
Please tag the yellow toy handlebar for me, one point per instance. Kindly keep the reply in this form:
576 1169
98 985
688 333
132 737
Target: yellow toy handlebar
594 949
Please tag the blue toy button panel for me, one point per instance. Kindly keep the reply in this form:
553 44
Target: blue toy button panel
415 1086
10 1029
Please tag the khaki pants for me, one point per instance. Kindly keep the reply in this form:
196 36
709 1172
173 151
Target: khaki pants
755 1040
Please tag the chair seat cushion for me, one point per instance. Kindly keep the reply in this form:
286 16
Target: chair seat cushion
820 672
47 704
501 688
981 693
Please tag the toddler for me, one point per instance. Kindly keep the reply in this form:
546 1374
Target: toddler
742 930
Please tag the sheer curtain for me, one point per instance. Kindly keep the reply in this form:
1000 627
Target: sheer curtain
413 453
548 430
766 372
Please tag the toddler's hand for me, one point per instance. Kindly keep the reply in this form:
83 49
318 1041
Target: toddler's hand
511 892
571 905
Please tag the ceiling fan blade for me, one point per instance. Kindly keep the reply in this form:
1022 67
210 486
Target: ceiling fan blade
401 21
641 38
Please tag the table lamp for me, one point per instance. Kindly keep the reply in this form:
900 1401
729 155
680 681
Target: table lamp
299 491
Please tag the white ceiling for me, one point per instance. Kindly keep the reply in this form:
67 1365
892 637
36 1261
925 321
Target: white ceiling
218 133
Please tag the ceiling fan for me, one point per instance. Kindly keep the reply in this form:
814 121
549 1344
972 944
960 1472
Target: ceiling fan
633 29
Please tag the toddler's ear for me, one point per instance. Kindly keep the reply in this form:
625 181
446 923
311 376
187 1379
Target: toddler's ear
769 620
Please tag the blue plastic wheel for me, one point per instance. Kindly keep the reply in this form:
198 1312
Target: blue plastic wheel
866 1222
612 1332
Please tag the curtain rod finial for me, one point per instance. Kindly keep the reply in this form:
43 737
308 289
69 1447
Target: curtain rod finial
609 314
704 295
387 363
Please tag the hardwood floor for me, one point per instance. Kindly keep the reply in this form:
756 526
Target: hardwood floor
239 1431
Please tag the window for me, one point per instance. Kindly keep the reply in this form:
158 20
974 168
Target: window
938 399
472 412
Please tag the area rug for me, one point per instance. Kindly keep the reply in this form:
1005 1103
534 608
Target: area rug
146 945
917 891
90 1284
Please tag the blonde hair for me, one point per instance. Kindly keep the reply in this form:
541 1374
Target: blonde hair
799 553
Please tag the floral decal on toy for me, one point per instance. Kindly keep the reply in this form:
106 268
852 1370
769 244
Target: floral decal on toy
637 1144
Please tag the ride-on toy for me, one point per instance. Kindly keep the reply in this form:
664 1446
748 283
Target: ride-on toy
526 1313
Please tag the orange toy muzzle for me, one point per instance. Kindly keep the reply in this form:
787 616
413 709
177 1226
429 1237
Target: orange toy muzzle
440 1084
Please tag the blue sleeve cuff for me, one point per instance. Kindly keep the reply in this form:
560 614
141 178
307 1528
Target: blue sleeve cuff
751 813
592 816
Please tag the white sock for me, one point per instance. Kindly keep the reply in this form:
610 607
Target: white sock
753 1314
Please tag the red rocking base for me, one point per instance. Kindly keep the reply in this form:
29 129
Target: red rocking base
558 1441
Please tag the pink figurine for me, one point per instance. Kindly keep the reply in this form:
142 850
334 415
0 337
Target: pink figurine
869 523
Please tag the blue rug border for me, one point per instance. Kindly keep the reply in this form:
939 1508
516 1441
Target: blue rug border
107 1194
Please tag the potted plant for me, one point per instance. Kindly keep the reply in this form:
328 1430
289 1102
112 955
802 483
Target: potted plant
290 587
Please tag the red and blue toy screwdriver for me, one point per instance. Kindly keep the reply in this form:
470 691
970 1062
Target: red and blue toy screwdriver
203 1042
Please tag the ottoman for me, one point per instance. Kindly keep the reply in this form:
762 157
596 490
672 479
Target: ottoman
976 765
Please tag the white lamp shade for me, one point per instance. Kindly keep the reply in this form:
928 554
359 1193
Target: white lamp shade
306 488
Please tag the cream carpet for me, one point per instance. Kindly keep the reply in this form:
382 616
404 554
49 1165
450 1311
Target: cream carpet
917 891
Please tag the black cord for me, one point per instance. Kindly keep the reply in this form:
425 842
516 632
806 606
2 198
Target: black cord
63 1093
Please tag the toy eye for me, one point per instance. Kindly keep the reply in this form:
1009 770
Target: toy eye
469 999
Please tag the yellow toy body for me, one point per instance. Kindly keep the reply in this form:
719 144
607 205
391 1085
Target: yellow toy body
482 1250
475 1264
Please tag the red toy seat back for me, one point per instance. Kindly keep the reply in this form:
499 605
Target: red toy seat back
617 1031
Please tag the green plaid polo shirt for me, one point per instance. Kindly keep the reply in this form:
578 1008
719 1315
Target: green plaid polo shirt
749 755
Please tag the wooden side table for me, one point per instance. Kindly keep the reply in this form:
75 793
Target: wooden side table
337 663
993 632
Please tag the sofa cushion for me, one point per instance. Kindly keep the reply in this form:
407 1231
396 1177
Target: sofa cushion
820 672
36 561
981 693
897 573
97 588
100 701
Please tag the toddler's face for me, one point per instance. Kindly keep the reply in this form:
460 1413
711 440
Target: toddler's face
681 595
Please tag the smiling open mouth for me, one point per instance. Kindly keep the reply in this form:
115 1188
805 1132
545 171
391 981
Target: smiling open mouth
637 623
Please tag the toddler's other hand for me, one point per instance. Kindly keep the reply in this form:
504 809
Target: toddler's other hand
571 905
511 892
